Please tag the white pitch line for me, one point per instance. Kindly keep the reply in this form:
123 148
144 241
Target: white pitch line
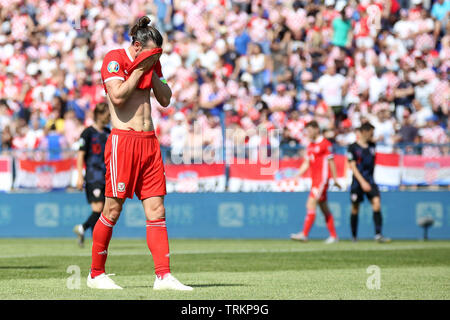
385 247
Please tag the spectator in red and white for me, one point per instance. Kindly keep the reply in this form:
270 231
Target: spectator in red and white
378 85
280 103
73 127
47 53
423 91
193 150
421 114
236 19
258 27
333 88
5 115
19 141
257 67
35 133
212 136
433 133
324 114
178 134
440 98
295 126
384 126
346 135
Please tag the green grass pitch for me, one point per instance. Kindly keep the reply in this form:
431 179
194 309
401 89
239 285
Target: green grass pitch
230 270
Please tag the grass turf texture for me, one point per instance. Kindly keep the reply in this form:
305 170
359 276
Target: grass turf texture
231 269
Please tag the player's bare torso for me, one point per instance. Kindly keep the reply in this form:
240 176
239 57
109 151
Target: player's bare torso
134 114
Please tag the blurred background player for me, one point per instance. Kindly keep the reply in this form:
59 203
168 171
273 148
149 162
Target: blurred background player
361 157
319 158
91 155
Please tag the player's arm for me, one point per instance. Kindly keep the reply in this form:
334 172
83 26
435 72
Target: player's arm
332 165
83 147
119 91
303 167
161 90
363 182
80 165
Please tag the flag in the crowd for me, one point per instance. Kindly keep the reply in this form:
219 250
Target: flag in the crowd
195 177
279 176
418 170
47 175
6 178
387 170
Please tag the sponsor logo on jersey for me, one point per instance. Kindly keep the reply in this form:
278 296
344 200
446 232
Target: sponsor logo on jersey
113 66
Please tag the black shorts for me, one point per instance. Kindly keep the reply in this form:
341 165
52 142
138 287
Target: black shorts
357 193
95 192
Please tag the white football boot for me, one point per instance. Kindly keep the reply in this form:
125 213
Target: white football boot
299 236
169 282
102 281
381 239
79 231
331 240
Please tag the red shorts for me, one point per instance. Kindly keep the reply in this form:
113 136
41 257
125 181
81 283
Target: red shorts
134 165
319 190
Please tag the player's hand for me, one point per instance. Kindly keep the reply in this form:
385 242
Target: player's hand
366 187
148 63
80 182
338 185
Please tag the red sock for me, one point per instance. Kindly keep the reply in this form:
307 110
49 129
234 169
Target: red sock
330 224
158 243
309 221
101 236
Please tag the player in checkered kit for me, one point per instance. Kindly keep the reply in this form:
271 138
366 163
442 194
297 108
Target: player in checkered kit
91 155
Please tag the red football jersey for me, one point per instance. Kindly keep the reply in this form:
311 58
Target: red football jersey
318 153
115 64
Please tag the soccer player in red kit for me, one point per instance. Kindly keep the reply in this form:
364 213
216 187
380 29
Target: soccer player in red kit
319 159
132 153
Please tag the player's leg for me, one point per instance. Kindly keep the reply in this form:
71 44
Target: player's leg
329 220
310 217
354 210
97 209
92 195
158 244
356 197
151 188
97 201
311 205
121 165
377 217
80 229
157 239
101 237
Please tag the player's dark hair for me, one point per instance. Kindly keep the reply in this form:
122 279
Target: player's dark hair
366 126
143 32
312 124
100 108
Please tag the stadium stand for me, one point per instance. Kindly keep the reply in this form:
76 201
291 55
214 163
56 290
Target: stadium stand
240 65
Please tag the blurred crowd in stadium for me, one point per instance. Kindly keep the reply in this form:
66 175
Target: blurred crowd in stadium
240 65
